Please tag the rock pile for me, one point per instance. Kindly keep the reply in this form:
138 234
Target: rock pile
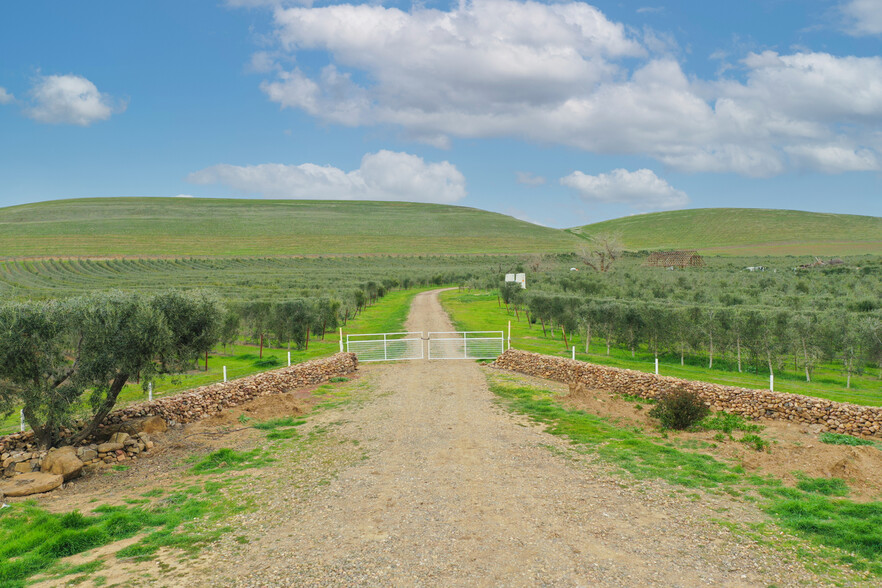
839 417
127 432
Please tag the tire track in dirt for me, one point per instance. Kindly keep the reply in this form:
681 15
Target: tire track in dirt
458 492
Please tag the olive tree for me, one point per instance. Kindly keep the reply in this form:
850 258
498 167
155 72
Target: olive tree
59 360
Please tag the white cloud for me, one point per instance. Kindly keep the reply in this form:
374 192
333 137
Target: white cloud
5 97
528 179
564 74
70 99
385 175
640 189
863 17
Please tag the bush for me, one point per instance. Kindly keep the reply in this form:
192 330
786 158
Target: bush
679 410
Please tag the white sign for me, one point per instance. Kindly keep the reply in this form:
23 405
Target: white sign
519 278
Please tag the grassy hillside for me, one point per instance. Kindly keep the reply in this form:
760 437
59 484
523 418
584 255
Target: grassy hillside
747 231
228 227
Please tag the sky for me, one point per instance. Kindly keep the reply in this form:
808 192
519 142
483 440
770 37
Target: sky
560 113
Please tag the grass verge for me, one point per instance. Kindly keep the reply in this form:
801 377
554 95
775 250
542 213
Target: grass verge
849 532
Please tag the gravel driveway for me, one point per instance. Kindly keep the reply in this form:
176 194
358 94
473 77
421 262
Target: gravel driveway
454 491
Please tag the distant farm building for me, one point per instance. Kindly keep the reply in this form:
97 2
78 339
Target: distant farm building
689 258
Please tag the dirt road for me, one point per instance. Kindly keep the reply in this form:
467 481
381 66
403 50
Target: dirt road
454 491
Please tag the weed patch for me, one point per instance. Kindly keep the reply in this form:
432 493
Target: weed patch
727 423
837 439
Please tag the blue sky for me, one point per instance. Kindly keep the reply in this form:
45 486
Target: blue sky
560 113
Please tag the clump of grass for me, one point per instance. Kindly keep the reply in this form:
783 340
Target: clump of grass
336 379
281 428
267 362
243 418
823 486
226 459
838 439
679 410
756 442
727 423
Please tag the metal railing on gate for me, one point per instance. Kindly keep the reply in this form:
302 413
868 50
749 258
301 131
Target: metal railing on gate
466 345
386 346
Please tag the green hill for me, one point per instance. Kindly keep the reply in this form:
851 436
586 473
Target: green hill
227 227
746 231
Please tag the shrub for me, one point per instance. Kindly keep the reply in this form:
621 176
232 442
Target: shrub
679 410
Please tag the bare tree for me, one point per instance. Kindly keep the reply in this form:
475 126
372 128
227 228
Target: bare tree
601 251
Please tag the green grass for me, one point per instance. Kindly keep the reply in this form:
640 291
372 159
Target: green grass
280 428
32 540
478 311
143 227
838 439
850 532
746 231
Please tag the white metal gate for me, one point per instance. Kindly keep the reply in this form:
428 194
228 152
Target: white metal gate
466 345
386 346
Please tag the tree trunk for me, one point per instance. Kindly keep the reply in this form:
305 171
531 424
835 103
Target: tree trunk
808 377
564 333
587 338
44 435
307 338
106 406
261 346
542 320
682 354
517 316
711 352
206 360
769 359
738 346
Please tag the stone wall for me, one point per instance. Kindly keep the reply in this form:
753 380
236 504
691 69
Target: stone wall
838 417
20 455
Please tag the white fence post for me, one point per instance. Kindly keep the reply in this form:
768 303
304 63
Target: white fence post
341 339
509 334
574 353
656 366
150 391
772 382
225 373
289 359
22 421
